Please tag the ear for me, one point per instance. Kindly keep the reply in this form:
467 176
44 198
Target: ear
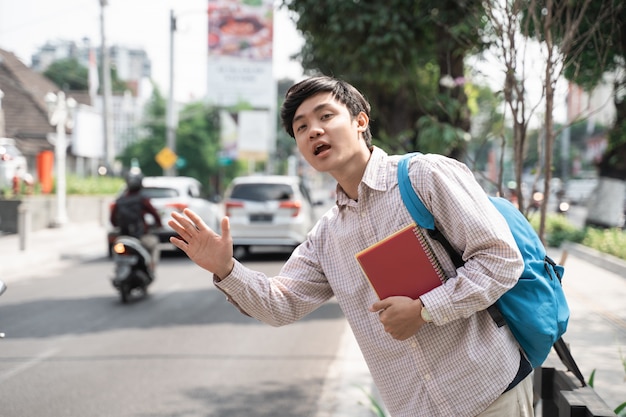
362 121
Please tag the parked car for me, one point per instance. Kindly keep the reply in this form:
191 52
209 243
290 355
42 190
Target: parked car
168 194
268 210
12 162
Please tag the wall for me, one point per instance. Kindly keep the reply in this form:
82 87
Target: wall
41 211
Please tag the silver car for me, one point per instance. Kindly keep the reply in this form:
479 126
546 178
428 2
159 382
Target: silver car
268 210
168 194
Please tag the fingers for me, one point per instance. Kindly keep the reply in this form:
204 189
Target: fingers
379 306
181 225
179 243
197 220
225 228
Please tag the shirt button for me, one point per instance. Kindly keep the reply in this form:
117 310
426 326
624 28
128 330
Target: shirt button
427 377
363 214
413 344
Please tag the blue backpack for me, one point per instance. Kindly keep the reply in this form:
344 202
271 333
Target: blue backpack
535 309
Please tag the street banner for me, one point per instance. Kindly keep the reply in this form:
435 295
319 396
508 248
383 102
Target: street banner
87 139
240 53
253 142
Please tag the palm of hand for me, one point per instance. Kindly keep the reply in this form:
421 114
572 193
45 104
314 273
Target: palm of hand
201 244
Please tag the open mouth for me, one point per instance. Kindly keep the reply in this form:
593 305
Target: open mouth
320 148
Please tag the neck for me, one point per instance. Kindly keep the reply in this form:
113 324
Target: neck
350 178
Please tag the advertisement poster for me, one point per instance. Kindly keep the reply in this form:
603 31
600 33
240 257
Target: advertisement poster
240 53
253 142
87 134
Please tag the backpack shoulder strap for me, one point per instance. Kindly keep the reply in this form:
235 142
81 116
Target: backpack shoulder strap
413 204
420 213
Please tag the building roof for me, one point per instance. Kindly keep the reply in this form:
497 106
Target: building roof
24 106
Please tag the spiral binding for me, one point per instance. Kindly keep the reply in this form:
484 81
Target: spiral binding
430 253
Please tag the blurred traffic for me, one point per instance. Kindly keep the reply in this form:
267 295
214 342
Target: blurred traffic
269 211
168 194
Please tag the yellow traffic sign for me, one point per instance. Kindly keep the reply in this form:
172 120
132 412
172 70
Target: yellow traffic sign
166 158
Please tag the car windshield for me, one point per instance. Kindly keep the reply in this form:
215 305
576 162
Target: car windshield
155 192
262 192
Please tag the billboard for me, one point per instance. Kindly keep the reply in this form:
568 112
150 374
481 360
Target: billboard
240 38
87 134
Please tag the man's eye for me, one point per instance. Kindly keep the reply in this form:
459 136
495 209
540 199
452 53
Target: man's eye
300 128
327 116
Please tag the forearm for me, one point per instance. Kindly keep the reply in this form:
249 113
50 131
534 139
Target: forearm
276 301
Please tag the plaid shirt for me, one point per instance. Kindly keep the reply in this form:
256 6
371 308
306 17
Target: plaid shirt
458 364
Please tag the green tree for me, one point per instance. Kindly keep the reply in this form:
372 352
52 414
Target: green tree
488 133
68 74
607 54
285 144
396 52
592 40
153 137
197 143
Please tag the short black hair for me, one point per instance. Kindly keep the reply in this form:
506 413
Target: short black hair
342 91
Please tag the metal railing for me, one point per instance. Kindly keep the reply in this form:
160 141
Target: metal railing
560 394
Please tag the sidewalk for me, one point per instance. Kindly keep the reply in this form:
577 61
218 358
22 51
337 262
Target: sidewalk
50 248
595 285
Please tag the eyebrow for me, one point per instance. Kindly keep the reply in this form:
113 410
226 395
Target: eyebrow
317 108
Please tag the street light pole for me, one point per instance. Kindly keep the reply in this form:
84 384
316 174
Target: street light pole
59 114
170 121
106 93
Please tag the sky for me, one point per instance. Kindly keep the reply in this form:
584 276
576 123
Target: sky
26 25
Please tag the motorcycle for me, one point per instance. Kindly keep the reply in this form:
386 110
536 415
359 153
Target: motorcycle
562 206
134 268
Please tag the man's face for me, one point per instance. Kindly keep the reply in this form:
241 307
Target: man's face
326 134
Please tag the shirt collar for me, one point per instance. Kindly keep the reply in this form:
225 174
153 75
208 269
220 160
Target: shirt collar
374 177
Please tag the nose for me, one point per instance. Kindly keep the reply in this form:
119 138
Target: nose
315 131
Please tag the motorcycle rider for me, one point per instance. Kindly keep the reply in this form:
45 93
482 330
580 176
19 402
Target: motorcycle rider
129 212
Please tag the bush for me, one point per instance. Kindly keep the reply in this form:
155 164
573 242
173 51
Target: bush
96 185
559 229
611 241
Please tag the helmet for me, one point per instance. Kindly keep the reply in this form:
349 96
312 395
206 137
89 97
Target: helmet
134 182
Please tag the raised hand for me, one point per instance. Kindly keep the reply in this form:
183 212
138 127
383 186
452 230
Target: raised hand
202 245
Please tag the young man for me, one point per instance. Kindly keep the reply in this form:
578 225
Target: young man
441 355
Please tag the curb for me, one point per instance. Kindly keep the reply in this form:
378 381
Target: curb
602 260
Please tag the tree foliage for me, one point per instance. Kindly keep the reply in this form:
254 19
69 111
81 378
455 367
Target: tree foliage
596 46
152 140
68 74
197 142
396 52
71 75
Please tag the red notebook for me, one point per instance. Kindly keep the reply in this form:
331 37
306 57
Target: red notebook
401 264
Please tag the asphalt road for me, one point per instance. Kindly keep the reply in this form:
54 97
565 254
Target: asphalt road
72 349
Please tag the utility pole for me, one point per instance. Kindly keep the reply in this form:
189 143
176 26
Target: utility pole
60 112
170 122
106 93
